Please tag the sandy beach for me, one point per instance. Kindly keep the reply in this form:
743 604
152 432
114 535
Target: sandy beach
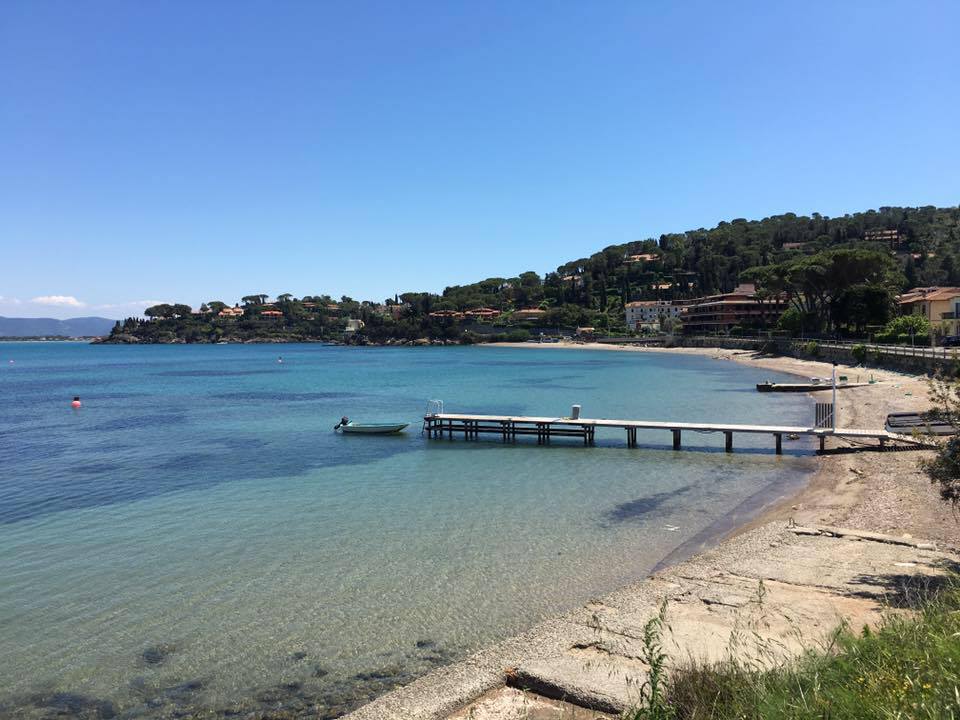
858 488
867 525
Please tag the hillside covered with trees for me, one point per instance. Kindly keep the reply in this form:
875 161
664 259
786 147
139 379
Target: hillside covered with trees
841 275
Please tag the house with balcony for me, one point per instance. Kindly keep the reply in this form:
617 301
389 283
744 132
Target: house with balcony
647 313
639 258
483 313
717 314
883 235
447 314
529 314
939 305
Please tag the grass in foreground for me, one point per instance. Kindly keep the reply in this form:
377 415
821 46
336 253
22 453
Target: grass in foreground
909 667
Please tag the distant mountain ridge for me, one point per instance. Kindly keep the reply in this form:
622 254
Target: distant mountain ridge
74 327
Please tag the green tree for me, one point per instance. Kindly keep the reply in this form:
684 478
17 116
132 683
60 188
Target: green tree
944 468
910 325
862 305
163 310
817 285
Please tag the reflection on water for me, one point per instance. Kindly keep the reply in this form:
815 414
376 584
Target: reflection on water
197 539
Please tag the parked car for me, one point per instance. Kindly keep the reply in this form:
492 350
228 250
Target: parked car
950 341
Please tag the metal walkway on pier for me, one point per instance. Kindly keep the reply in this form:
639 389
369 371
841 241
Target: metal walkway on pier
508 427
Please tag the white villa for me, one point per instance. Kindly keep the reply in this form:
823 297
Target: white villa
648 312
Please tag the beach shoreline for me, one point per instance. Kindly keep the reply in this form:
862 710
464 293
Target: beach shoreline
866 490
811 495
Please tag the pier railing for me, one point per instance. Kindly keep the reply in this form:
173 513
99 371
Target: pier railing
509 428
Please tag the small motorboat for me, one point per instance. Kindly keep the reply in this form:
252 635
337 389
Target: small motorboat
348 426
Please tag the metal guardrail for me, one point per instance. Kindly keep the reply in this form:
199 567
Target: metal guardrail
931 353
939 354
934 354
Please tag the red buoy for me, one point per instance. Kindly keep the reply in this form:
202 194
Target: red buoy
76 402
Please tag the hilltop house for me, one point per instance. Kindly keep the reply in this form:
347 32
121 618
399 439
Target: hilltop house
892 237
483 313
233 312
447 314
940 305
398 310
639 258
271 314
529 314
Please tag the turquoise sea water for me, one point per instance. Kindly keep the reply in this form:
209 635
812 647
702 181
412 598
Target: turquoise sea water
196 537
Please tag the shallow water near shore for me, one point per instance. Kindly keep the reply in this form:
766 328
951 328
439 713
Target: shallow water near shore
196 537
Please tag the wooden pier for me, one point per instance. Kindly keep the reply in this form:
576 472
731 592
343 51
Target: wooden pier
508 428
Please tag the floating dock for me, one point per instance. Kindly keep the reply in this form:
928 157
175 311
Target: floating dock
806 387
509 427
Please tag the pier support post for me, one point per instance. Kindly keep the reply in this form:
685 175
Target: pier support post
676 439
729 441
823 443
779 438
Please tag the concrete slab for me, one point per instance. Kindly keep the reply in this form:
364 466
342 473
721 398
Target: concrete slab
762 596
766 609
588 677
861 568
512 704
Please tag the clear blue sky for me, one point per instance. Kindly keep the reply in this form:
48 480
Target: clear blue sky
193 151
